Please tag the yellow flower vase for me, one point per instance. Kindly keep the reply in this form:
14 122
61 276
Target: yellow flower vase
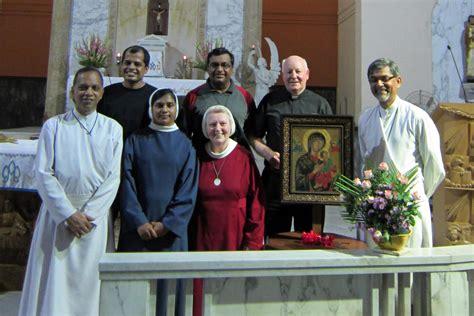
396 242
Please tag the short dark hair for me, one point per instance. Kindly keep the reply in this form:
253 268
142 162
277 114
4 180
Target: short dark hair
88 69
135 49
220 51
382 63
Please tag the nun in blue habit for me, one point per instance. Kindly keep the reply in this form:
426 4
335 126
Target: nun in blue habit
158 189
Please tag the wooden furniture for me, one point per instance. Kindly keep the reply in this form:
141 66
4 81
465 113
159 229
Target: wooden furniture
453 203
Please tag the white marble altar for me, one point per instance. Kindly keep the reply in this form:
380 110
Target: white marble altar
355 282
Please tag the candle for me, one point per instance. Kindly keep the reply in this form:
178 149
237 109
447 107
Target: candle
185 60
118 58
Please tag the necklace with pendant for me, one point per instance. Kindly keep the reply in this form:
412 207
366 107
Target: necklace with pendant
217 180
88 132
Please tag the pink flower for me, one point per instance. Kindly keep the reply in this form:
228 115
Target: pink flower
368 174
388 194
376 235
402 178
312 238
366 184
357 182
383 166
415 196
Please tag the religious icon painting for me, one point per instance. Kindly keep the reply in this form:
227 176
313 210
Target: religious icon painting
315 149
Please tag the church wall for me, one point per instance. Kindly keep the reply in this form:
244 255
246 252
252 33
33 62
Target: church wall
399 30
306 28
348 55
25 30
448 28
88 17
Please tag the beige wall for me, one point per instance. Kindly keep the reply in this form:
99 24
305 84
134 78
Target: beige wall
381 33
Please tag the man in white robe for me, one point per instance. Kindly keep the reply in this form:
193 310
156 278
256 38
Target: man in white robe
398 131
78 173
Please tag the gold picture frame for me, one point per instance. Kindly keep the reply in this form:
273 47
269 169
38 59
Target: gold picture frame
314 149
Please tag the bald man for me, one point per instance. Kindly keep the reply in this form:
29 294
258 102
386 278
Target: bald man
264 121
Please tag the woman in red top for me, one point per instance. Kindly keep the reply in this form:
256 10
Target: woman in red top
229 213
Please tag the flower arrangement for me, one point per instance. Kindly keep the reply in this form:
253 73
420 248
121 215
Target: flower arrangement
382 201
203 49
93 51
312 238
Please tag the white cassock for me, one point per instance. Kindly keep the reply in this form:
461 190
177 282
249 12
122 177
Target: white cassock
405 135
75 170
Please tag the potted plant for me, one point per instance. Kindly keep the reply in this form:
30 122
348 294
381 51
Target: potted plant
383 202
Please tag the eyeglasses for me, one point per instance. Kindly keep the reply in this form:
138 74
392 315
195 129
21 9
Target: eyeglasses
384 79
215 66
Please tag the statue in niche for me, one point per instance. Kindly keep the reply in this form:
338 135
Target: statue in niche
458 174
458 233
158 18
264 77
470 49
15 234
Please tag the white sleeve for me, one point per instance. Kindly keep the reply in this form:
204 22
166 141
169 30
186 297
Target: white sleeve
49 188
430 152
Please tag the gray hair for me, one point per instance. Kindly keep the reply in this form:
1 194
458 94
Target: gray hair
382 63
305 63
217 109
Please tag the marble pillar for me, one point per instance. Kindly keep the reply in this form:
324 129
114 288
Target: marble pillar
448 26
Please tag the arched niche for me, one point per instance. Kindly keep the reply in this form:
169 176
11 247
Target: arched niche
157 17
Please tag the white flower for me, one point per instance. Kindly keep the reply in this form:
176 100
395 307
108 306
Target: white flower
368 174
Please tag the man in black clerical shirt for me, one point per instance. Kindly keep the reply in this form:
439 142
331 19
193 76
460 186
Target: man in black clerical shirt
264 132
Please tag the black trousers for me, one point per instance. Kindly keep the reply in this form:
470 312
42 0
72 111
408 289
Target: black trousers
278 216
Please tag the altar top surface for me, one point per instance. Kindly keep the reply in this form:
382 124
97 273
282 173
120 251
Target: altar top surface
284 263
